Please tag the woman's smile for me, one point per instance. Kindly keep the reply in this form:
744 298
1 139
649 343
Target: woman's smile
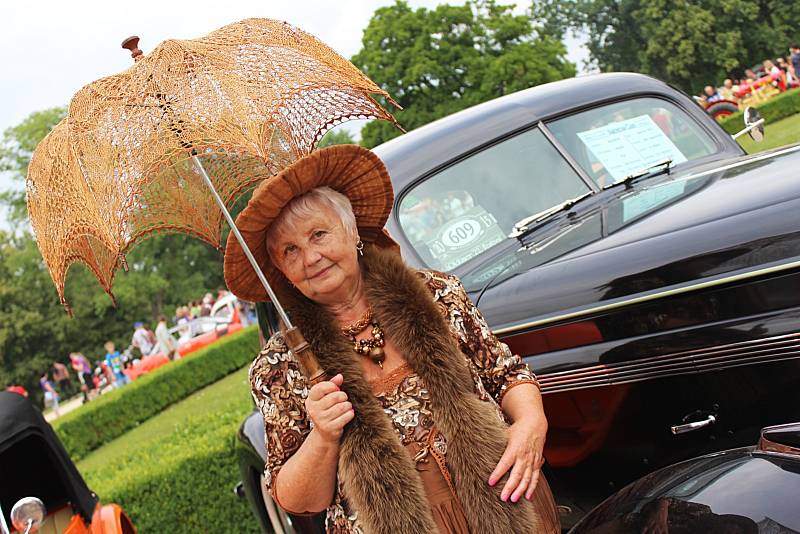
321 274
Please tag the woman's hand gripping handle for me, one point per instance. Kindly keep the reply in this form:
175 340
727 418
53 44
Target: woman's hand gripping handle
329 409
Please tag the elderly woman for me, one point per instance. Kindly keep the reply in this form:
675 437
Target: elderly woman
428 423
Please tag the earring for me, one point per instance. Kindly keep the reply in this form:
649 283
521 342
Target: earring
360 247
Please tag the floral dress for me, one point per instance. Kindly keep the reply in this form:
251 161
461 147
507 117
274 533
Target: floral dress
279 390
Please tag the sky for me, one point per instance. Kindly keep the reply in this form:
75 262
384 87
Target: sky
51 48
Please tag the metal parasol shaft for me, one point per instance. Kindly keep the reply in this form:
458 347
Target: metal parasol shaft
294 338
198 165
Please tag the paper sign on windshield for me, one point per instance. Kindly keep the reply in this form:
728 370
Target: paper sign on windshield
630 146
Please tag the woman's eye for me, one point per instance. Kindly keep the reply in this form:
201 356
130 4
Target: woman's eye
319 233
289 250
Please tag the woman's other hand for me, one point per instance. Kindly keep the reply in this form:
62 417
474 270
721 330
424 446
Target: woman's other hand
523 455
329 409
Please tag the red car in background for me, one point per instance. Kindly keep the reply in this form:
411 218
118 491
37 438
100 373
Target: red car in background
196 334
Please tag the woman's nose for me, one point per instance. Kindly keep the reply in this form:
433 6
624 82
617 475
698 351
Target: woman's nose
311 256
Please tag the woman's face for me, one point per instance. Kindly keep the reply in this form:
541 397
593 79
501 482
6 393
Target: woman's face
319 257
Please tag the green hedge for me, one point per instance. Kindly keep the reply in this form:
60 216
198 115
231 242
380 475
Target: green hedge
180 480
116 412
772 110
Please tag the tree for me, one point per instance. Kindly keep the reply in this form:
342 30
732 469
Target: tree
685 42
165 271
436 62
16 149
338 136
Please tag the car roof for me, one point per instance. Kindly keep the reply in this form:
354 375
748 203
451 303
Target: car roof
428 147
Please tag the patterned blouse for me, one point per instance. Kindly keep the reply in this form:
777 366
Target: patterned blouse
280 390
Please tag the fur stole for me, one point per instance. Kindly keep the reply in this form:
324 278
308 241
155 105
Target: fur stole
379 478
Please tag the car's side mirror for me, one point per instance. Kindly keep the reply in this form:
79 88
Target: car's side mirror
27 515
753 125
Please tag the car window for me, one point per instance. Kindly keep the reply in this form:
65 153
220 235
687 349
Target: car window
467 208
614 141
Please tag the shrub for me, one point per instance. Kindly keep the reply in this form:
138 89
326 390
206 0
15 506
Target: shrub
772 110
116 412
181 481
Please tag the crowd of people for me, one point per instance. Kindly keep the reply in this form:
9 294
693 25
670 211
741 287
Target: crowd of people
782 73
108 371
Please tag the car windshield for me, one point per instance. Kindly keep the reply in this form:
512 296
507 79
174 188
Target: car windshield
619 211
472 205
615 141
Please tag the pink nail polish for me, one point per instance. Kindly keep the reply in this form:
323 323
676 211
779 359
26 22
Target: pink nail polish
514 499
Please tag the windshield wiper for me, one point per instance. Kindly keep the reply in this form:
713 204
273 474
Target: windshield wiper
648 172
532 222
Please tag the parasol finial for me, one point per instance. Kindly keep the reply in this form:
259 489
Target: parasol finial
132 44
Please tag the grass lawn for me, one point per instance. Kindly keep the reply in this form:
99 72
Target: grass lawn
176 471
784 132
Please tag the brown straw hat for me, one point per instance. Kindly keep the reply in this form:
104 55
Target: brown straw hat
352 170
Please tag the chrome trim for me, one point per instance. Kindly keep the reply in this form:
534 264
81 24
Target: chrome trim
653 295
689 427
767 442
741 163
751 352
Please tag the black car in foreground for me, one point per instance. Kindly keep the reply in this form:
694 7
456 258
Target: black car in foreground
742 491
626 246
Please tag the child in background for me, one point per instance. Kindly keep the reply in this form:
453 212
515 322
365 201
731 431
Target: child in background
114 362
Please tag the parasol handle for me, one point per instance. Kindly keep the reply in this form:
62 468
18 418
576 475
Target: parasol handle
305 356
298 345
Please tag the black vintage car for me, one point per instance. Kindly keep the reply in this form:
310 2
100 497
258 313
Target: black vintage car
742 491
41 490
626 246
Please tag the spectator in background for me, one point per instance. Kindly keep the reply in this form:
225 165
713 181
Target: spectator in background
750 75
141 339
785 65
84 371
770 68
711 94
50 393
166 343
182 320
794 60
206 305
61 377
195 309
114 362
726 91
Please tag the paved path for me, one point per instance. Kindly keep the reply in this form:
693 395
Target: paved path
69 405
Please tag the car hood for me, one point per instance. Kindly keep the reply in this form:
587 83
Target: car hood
732 218
725 491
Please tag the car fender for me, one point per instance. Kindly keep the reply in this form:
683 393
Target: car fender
111 519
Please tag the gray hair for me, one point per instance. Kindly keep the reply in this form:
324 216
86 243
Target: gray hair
307 205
